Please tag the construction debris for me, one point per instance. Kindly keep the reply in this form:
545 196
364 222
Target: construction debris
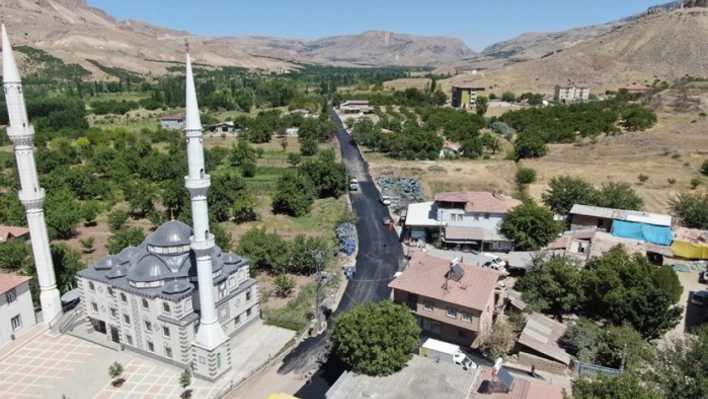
346 233
403 191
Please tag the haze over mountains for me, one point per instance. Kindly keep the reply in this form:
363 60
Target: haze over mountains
76 32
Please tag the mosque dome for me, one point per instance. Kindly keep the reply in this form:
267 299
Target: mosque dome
171 234
150 268
126 253
118 271
177 287
107 263
230 259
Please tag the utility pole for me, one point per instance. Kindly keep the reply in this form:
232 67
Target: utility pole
624 357
319 316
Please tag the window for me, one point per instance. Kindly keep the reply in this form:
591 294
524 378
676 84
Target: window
123 298
114 313
248 295
165 307
452 312
94 307
412 297
168 352
248 312
237 320
232 282
486 216
466 316
165 331
11 296
461 333
222 291
129 339
92 287
476 216
429 305
151 346
148 326
110 292
188 304
126 319
16 323
218 360
146 305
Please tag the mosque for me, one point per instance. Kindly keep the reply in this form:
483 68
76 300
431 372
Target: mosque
176 297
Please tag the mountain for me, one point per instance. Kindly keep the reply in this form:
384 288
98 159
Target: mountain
533 45
76 32
658 45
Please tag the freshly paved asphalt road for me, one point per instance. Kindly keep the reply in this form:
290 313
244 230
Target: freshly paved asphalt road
380 256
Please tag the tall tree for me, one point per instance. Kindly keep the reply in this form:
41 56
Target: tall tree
565 191
530 226
375 339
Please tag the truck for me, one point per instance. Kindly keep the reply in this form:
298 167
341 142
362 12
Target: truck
353 185
445 352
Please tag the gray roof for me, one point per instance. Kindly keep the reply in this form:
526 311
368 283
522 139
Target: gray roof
542 334
170 234
655 219
156 261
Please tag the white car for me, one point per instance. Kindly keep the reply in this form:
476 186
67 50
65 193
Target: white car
385 199
497 262
462 359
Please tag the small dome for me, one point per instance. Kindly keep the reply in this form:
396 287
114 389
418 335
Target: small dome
126 253
177 287
171 234
230 259
150 268
118 271
107 263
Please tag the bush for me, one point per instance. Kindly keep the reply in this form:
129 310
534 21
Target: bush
525 176
248 169
695 182
704 167
284 285
642 178
671 181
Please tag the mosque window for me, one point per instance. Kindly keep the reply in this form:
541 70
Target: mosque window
146 305
92 287
110 291
123 298
188 305
166 308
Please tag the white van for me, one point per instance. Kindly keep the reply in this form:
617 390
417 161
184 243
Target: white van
497 262
700 298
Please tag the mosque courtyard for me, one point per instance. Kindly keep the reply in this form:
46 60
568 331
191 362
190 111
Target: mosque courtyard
49 367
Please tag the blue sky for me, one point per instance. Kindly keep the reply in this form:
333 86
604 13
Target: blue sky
478 23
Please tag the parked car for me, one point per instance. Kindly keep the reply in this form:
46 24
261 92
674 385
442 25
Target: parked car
702 278
386 220
385 199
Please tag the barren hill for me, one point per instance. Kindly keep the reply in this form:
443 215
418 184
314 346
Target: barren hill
75 32
664 46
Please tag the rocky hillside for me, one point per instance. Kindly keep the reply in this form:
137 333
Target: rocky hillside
533 45
75 32
664 45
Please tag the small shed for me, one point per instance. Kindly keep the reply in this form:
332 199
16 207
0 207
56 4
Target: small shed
538 344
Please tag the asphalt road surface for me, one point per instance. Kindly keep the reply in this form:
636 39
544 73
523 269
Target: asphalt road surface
380 256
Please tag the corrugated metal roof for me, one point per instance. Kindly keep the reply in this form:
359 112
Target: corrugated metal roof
422 214
655 219
541 334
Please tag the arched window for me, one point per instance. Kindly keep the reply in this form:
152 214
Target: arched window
91 286
166 307
201 172
123 298
110 291
146 305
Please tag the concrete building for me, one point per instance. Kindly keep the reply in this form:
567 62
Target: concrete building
16 309
175 297
172 122
466 219
572 92
449 299
464 95
21 133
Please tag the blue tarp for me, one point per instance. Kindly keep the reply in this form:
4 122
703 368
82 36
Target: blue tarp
660 235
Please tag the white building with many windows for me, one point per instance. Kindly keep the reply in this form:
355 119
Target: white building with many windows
16 309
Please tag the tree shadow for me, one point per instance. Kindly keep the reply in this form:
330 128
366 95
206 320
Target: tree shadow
118 382
186 394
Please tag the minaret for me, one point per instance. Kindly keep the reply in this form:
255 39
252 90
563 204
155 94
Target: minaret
210 339
21 133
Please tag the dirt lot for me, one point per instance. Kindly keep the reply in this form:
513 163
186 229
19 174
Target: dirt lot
674 149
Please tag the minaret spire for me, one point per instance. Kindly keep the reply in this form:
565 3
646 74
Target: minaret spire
211 340
21 133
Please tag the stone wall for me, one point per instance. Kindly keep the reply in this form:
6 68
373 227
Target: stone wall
542 364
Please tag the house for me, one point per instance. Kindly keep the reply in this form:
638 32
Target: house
450 150
172 122
356 107
16 309
572 92
651 227
223 127
538 345
422 378
301 111
638 89
8 232
464 95
466 219
449 299
146 298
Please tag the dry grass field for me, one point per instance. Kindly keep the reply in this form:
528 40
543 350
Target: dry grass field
674 149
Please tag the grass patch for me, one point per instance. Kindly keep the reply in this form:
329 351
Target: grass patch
296 314
324 216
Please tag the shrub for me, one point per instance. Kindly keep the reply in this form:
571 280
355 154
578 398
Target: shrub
642 178
671 181
704 167
284 285
525 176
695 182
248 169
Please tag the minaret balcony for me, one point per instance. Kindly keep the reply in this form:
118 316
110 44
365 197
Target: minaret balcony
29 196
21 135
202 247
196 184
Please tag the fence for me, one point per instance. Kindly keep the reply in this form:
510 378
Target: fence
593 370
